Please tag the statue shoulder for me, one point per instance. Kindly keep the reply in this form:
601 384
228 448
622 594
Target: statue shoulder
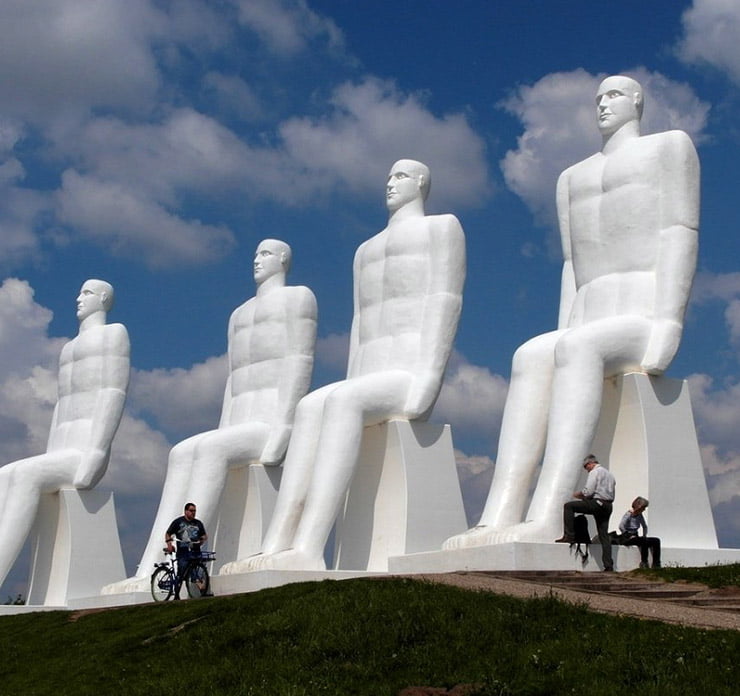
116 333
300 296
447 223
673 139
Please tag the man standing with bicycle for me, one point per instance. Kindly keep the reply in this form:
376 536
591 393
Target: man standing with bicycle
189 533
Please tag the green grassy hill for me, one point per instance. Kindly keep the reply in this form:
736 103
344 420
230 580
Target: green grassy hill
368 636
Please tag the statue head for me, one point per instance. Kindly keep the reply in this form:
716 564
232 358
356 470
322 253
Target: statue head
408 180
272 257
95 296
619 100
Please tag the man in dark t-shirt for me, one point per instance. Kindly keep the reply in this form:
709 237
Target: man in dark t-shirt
189 533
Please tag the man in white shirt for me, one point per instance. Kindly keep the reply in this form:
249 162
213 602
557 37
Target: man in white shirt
595 499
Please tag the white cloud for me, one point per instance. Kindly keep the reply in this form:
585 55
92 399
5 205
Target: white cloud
74 55
117 217
288 26
232 96
183 402
472 399
475 473
374 123
712 36
558 115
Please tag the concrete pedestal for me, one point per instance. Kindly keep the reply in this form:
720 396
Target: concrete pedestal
246 508
405 496
647 438
75 547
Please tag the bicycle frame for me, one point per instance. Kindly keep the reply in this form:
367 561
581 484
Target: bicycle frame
168 577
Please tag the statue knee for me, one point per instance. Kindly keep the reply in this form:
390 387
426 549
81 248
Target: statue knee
574 349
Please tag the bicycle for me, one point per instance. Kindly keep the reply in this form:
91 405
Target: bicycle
166 582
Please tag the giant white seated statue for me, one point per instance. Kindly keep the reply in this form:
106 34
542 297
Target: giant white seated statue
92 383
271 339
629 218
408 283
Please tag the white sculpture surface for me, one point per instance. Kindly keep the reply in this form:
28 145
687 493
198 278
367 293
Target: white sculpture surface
629 218
93 378
408 283
271 339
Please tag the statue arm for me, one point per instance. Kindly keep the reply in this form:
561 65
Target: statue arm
678 241
354 335
441 313
567 279
295 370
109 403
226 406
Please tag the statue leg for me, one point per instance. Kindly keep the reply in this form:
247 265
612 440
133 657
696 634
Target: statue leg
522 440
28 479
348 408
584 357
171 504
297 472
214 453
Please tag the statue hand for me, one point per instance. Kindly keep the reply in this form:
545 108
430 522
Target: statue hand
277 444
662 346
91 468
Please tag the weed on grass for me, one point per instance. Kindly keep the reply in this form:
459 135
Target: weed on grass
364 637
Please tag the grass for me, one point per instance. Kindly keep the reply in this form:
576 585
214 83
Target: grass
364 636
712 576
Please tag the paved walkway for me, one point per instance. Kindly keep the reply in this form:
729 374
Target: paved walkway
565 587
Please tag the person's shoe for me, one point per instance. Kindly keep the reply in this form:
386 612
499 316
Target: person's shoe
608 570
565 540
655 565
645 565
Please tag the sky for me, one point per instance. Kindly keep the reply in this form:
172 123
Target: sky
154 143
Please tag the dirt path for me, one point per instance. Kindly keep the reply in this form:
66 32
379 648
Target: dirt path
609 604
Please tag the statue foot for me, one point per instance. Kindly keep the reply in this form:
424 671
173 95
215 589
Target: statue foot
541 530
477 536
482 535
134 584
290 559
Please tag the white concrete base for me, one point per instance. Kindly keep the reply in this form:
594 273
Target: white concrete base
549 556
404 498
646 437
245 511
75 547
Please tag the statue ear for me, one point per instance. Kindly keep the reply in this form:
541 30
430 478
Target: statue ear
421 179
104 298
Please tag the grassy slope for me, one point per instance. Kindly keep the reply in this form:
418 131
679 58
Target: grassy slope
370 637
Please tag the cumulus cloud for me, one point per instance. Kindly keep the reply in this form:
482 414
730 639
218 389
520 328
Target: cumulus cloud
558 116
182 402
374 123
288 26
232 96
712 36
475 473
131 224
73 55
472 399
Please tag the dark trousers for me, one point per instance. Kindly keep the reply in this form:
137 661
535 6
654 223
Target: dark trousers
645 544
601 511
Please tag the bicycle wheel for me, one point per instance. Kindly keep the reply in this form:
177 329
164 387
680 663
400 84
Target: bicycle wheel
163 584
197 580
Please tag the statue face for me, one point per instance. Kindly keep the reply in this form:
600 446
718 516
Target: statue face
90 300
616 104
401 188
268 261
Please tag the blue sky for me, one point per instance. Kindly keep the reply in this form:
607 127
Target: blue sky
153 143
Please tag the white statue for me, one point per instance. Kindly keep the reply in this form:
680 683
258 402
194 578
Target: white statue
93 378
408 283
629 218
271 339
